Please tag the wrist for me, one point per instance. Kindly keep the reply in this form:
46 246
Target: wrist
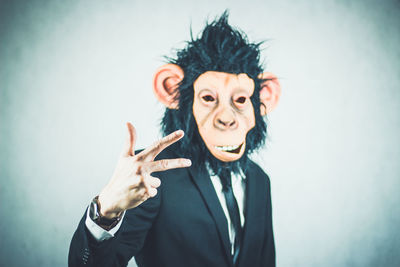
106 223
105 210
110 214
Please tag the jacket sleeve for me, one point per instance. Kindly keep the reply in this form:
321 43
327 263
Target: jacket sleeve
117 251
268 251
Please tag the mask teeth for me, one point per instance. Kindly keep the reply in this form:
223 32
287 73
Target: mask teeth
227 148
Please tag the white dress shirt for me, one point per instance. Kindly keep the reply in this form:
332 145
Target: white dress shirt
238 187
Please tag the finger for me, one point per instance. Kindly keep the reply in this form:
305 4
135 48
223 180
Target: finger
152 192
129 149
160 145
166 164
144 183
153 181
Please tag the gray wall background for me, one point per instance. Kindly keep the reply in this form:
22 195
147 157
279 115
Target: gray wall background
73 72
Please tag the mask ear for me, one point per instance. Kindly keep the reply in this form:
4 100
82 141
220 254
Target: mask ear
269 93
165 85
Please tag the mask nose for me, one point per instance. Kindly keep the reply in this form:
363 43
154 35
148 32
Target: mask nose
225 120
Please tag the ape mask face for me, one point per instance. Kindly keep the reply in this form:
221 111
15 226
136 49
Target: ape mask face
216 91
223 112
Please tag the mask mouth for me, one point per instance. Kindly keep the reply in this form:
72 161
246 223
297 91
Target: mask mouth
230 149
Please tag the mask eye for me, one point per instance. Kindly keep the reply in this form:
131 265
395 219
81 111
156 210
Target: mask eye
240 100
208 98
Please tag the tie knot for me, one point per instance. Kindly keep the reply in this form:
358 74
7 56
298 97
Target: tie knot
226 181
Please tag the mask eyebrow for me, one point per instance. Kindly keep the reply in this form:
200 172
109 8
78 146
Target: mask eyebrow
206 90
242 90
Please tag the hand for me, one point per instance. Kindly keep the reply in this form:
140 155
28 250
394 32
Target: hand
132 183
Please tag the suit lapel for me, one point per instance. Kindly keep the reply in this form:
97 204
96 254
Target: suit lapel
203 182
251 211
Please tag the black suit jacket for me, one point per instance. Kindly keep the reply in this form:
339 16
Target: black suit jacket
184 225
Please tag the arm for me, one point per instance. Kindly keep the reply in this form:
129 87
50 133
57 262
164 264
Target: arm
131 189
85 250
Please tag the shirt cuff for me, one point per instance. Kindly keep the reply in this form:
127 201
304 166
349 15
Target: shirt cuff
99 233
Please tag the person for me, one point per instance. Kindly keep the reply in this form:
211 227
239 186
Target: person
193 198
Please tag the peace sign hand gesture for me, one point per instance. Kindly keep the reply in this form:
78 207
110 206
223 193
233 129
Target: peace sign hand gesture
132 183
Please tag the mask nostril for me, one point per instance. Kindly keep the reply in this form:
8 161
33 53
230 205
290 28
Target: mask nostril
227 124
221 122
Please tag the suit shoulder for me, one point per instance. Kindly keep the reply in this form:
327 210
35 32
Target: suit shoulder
257 171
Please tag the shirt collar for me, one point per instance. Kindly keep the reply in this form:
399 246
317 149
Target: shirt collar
239 175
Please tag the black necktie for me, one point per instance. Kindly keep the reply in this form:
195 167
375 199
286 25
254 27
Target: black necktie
233 209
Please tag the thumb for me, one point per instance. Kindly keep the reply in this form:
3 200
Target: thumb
129 148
